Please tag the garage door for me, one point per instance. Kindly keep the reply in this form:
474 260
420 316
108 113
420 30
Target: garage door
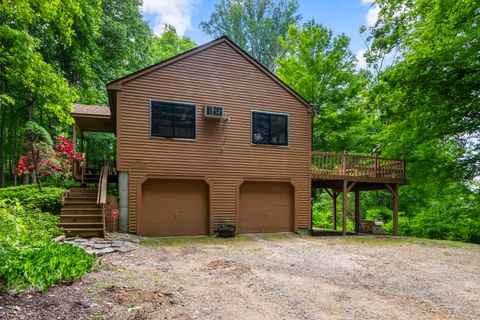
174 207
266 207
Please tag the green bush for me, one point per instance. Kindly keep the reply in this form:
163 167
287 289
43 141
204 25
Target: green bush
28 256
322 217
59 183
49 200
379 213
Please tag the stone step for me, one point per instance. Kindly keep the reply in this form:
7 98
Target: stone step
82 218
80 211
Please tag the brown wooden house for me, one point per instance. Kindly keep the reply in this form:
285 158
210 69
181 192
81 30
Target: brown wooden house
211 137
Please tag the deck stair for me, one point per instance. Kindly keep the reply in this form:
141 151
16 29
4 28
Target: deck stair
81 215
90 178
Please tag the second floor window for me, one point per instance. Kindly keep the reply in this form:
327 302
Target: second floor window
173 120
269 128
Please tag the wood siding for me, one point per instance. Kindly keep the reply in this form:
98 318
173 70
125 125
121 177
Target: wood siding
222 153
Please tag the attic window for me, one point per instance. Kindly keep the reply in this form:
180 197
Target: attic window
269 128
172 120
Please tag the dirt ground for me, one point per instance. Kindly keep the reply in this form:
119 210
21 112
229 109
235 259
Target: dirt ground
279 276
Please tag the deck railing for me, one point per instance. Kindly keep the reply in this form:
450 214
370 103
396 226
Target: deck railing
95 166
102 192
84 166
331 165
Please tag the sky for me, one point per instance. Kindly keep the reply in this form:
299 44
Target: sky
341 16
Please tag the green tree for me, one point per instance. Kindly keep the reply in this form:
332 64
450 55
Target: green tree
27 81
169 44
431 93
427 107
254 25
39 147
322 69
55 53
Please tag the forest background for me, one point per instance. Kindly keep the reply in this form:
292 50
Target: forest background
417 98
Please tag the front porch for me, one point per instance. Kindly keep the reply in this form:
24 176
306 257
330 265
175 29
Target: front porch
85 210
92 119
344 173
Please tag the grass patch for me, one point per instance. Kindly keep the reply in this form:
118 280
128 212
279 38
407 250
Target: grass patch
402 241
277 236
255 250
185 241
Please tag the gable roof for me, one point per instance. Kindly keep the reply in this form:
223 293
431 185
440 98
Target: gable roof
92 118
89 110
117 84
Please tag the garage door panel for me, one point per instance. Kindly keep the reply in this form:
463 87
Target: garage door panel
266 207
174 207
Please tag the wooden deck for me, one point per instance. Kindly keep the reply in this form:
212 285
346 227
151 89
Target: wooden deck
343 173
360 168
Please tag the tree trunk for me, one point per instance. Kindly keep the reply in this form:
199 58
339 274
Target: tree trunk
15 154
37 177
3 107
2 145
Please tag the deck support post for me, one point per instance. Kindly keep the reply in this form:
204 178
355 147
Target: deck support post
334 198
357 211
394 190
344 207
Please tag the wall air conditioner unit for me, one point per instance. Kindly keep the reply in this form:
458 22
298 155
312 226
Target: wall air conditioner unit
214 112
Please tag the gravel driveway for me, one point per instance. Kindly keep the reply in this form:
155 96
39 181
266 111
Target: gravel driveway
279 276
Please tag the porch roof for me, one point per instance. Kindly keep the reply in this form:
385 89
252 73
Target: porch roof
92 118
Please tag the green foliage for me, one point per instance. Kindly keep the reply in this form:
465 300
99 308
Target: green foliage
427 106
53 54
322 212
322 69
26 223
169 44
254 25
49 200
60 183
378 213
36 136
28 256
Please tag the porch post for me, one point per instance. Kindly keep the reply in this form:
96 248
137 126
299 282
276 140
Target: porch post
74 137
357 211
344 207
81 141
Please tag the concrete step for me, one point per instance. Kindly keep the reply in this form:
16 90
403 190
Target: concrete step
80 218
80 211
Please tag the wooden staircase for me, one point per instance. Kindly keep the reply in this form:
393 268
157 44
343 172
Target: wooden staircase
81 215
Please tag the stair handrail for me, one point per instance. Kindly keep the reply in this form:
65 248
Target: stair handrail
102 193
